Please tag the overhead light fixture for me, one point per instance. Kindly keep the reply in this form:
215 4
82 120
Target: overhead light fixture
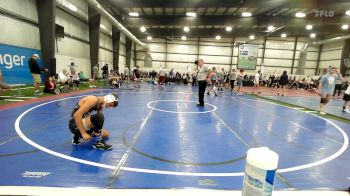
344 26
270 28
228 29
102 26
251 37
186 29
149 38
183 37
134 14
347 12
72 7
246 14
218 37
283 35
309 27
191 14
143 29
312 35
300 15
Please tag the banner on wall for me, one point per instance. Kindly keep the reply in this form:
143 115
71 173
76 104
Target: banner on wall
14 64
247 56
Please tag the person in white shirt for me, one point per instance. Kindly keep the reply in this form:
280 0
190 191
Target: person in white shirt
202 77
63 77
346 99
308 82
232 77
257 82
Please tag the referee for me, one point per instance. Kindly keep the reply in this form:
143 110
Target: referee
202 77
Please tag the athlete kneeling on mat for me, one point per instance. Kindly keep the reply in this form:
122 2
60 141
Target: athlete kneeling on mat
85 125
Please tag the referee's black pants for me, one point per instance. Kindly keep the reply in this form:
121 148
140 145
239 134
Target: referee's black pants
202 84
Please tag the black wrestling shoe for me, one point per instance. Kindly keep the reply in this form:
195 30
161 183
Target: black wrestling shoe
76 140
101 145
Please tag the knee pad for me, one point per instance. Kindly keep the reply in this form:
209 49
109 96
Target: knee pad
97 121
324 100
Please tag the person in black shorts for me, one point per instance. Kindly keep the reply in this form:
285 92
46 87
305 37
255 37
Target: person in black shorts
346 99
137 74
85 125
283 82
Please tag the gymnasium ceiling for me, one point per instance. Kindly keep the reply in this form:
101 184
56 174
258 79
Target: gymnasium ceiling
167 18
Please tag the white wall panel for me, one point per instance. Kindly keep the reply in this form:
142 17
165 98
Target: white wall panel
279 44
311 64
157 56
83 64
105 56
122 63
269 53
122 38
181 57
26 8
215 59
278 62
72 26
333 46
213 50
331 55
325 64
122 49
106 41
312 56
309 72
15 32
157 47
278 70
180 48
70 47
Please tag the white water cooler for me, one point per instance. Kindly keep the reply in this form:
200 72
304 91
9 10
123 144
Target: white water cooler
260 172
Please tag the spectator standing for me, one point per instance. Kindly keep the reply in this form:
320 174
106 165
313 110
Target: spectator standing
283 82
35 70
338 87
202 77
327 85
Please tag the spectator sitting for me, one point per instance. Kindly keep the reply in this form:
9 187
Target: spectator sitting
50 86
75 80
83 78
64 79
3 86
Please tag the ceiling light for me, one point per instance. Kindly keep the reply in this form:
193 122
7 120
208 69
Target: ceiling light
309 27
300 15
102 26
347 12
270 28
133 14
344 26
186 29
251 37
228 28
246 14
218 37
312 35
191 14
149 38
143 29
183 37
283 35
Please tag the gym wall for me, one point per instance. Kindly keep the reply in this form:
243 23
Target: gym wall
275 54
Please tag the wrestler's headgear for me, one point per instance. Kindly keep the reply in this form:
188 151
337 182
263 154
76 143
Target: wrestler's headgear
111 98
